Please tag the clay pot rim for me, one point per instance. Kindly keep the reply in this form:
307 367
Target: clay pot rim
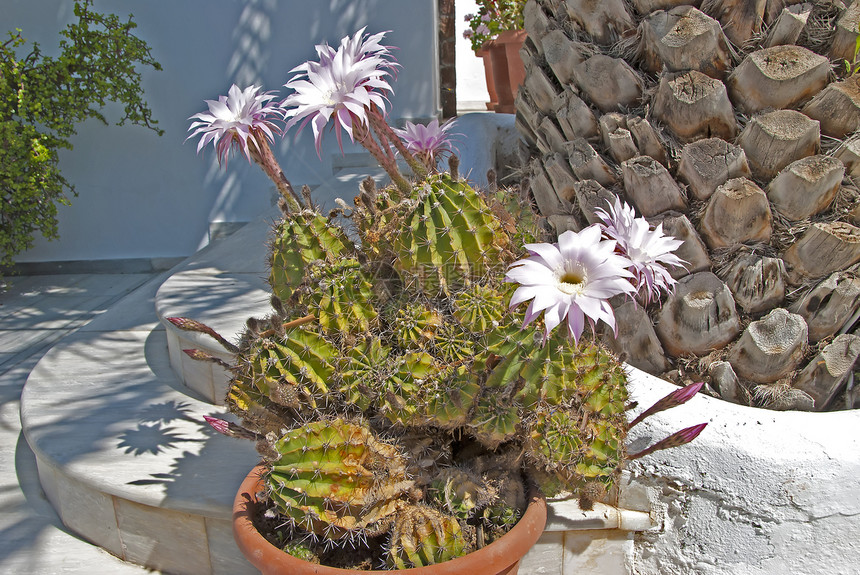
504 37
498 557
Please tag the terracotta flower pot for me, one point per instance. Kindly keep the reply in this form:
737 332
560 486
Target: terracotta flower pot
501 557
484 53
507 69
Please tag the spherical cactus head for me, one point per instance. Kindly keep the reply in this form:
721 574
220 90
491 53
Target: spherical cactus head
461 491
303 237
455 344
423 536
340 296
415 325
510 503
358 373
576 426
447 236
335 479
448 397
479 307
291 370
400 390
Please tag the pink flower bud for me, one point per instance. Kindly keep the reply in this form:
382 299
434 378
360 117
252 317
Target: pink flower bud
674 399
677 439
230 429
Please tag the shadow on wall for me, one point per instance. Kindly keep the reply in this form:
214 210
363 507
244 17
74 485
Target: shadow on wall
144 196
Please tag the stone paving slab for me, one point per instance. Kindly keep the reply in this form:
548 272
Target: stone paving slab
33 540
122 451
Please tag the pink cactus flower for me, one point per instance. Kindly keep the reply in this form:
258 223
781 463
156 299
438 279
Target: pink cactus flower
343 85
571 279
649 251
428 142
237 119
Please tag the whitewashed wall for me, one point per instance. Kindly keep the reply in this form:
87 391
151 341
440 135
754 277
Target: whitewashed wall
472 92
141 196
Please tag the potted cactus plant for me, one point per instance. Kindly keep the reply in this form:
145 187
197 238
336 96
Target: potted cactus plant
407 408
496 34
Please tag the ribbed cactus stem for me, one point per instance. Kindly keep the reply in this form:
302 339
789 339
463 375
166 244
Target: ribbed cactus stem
335 479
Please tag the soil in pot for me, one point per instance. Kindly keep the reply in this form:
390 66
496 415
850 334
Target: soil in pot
249 519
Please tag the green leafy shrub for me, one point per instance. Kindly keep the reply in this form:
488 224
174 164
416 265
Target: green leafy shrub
43 98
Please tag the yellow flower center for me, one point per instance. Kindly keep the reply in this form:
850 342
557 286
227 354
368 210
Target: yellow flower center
572 282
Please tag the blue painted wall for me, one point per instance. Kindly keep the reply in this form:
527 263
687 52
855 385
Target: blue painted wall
141 196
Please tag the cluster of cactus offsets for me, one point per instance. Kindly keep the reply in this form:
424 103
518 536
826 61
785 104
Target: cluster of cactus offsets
333 478
393 392
305 237
423 536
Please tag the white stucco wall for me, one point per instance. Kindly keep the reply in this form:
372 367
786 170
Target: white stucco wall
759 492
471 83
141 196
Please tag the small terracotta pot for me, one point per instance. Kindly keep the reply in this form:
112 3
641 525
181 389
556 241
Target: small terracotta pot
488 78
501 557
508 71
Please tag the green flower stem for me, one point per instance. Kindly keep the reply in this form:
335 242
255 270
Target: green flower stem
262 154
380 126
365 138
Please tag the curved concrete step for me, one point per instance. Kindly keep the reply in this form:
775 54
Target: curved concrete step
123 453
221 300
221 286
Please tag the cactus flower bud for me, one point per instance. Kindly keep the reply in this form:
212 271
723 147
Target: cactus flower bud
230 429
674 399
677 439
187 324
200 355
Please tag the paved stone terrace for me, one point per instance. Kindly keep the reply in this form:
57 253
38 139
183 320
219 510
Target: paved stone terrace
35 313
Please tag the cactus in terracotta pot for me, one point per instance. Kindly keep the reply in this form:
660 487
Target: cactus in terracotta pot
402 397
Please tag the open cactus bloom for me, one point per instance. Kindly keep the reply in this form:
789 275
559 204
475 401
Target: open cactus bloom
404 401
